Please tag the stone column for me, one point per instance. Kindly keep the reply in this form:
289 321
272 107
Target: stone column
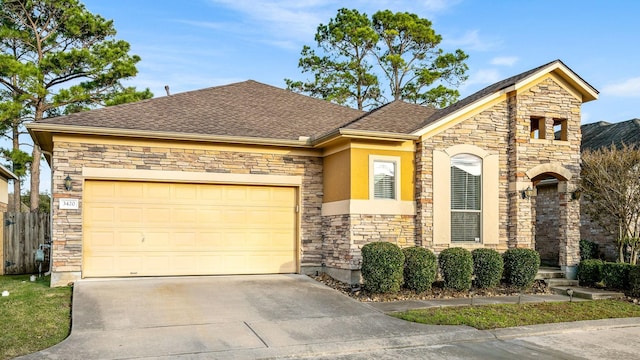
521 215
569 221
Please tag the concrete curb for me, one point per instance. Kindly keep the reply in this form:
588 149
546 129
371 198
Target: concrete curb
560 328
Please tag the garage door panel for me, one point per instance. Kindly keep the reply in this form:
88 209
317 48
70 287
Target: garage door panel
144 229
132 191
129 215
157 215
209 194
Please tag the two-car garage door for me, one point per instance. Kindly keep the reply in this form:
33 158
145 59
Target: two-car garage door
149 228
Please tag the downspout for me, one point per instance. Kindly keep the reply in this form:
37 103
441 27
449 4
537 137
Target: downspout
50 215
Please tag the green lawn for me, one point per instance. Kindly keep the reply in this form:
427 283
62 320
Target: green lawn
508 315
33 317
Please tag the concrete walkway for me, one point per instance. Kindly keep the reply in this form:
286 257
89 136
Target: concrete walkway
273 316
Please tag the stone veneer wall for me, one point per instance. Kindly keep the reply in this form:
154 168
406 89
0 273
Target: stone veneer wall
592 231
487 130
548 100
70 157
344 236
547 234
504 129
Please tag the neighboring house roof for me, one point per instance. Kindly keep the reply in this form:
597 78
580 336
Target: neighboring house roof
7 174
603 134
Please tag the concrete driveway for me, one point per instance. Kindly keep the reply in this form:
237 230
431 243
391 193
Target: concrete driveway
232 317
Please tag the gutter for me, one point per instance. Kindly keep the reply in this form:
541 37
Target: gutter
363 134
303 142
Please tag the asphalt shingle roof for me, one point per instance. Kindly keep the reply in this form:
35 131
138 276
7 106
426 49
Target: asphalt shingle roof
247 109
604 134
396 117
255 110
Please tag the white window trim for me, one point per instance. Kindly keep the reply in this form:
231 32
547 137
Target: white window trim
480 211
394 159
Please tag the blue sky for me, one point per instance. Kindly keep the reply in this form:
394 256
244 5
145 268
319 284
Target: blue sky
195 44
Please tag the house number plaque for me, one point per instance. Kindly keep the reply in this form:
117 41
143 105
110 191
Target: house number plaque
70 204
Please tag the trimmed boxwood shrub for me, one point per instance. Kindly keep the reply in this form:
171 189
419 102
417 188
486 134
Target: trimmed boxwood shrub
590 271
616 275
382 267
634 281
521 267
456 265
420 268
589 250
487 267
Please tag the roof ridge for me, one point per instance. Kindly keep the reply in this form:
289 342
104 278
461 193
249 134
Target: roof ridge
353 121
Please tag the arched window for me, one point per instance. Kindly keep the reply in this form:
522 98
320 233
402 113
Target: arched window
466 198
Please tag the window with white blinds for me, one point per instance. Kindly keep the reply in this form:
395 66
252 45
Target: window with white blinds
466 197
384 179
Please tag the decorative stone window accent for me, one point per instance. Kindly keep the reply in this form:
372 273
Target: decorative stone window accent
560 129
537 128
384 177
466 198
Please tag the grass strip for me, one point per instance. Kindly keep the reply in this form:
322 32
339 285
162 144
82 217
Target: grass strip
509 315
33 317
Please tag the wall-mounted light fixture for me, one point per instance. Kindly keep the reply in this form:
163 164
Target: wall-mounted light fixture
576 194
68 185
526 194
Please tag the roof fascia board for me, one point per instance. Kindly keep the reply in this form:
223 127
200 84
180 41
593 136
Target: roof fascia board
7 173
462 112
587 91
362 134
35 128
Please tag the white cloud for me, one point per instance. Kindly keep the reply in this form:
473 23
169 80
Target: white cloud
627 88
283 23
504 60
471 40
282 18
482 77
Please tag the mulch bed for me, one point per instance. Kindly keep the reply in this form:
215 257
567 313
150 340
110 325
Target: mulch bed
437 291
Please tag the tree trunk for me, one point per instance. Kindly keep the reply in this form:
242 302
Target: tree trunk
15 139
35 179
17 200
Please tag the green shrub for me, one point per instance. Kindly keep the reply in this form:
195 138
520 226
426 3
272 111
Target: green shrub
589 250
456 265
420 268
590 271
634 281
382 267
616 275
487 266
521 267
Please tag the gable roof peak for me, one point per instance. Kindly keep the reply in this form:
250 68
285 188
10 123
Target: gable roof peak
587 91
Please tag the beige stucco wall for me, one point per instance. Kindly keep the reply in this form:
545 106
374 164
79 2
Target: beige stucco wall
337 182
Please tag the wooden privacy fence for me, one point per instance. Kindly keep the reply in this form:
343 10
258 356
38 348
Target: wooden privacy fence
23 235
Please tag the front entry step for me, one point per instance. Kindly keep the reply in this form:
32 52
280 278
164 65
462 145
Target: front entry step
550 273
555 282
587 293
